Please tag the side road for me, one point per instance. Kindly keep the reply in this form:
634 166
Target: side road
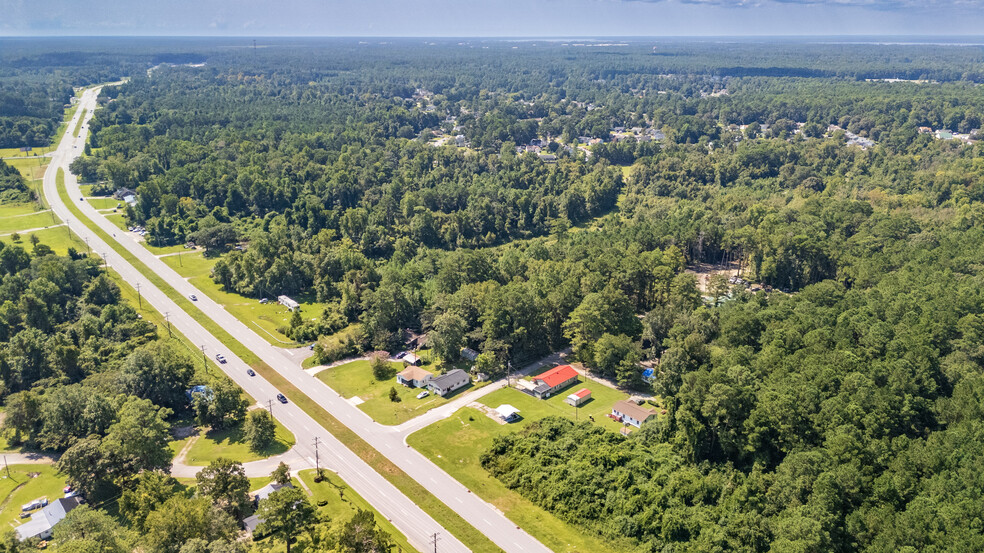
409 519
482 515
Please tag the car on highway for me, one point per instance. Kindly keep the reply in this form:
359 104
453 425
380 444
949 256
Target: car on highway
281 398
250 372
423 394
220 358
193 297
81 199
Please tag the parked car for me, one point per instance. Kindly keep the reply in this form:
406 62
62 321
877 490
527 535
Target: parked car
220 358
250 372
400 355
193 297
281 398
66 489
311 347
264 300
423 394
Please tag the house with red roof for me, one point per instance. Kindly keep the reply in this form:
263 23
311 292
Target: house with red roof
557 378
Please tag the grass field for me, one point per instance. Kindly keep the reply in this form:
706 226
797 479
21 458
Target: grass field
356 379
25 484
104 203
117 219
23 222
58 239
264 319
452 521
14 210
342 502
229 444
455 444
78 124
32 168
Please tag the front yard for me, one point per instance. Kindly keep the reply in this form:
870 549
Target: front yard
355 379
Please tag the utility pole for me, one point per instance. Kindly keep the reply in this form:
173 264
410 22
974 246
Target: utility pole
204 359
166 319
317 457
87 248
270 406
434 540
508 373
140 300
106 259
6 466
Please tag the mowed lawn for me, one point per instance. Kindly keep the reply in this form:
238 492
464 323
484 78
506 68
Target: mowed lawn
17 223
14 210
104 203
25 484
341 502
31 167
355 379
264 319
229 444
57 238
456 443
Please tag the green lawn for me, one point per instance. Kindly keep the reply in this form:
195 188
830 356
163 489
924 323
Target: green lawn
104 203
32 168
455 444
229 444
356 379
58 239
24 222
13 210
264 319
530 408
117 219
342 502
21 487
78 124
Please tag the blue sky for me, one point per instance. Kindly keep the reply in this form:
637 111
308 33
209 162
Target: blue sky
527 18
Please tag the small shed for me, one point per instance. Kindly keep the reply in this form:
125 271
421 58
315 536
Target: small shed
469 354
507 412
411 359
578 397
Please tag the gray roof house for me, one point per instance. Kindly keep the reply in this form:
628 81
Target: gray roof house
251 522
447 383
44 520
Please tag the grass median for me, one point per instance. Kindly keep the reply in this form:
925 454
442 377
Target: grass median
444 515
78 124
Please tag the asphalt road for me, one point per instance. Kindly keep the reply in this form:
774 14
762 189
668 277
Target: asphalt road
417 525
387 440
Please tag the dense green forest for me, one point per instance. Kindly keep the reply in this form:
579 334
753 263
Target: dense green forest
834 408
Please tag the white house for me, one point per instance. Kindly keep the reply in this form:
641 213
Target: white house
447 383
629 412
44 520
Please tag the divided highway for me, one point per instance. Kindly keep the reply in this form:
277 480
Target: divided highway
413 522
410 519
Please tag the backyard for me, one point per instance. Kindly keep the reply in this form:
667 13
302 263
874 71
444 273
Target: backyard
355 379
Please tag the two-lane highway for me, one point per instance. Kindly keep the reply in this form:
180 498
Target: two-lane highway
413 522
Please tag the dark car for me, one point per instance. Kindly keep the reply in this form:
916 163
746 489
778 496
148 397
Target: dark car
281 398
250 372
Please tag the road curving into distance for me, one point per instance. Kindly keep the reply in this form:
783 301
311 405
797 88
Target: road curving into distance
412 521
393 504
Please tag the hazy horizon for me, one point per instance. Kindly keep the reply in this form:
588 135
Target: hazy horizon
496 18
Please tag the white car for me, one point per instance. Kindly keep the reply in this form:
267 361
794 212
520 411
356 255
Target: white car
193 297
423 394
220 358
